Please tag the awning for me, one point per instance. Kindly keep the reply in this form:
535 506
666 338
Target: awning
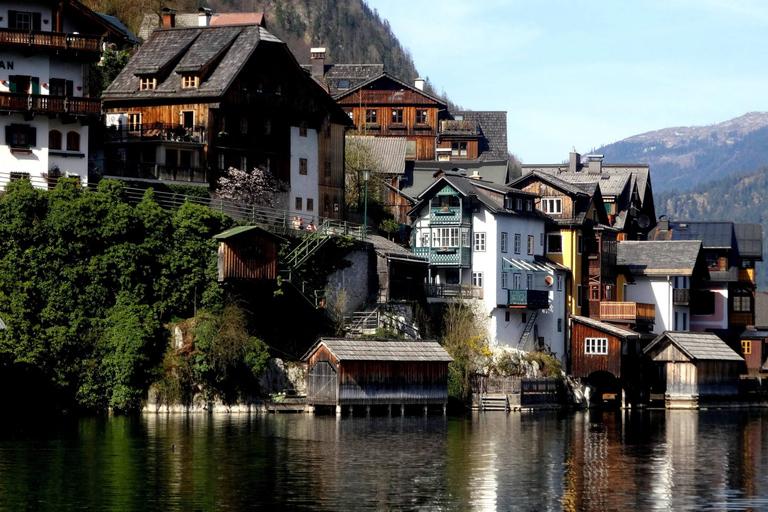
539 265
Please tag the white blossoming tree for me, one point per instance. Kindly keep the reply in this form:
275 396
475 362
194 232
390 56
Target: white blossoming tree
257 187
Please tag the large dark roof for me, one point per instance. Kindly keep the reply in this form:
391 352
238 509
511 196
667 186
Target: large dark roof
349 349
660 257
386 76
119 27
702 346
713 235
422 174
387 153
354 74
750 240
612 329
492 143
555 181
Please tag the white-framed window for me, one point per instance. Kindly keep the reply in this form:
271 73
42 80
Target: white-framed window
517 281
578 295
189 81
528 205
134 122
529 281
579 244
554 243
518 204
479 241
220 159
244 163
504 280
517 243
445 237
550 205
530 244
596 346
465 238
477 279
504 241
424 239
147 83
559 282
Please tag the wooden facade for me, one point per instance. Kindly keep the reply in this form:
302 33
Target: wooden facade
583 364
361 379
247 252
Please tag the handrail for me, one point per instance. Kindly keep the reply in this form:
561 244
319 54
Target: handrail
23 102
57 40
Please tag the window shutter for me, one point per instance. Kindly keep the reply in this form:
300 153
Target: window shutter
12 19
35 21
12 85
70 88
9 135
35 84
32 136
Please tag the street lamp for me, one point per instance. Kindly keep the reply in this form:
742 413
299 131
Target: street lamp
366 176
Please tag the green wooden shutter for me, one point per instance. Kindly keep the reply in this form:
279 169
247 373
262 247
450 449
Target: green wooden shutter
32 136
9 135
36 21
70 88
12 19
35 84
12 79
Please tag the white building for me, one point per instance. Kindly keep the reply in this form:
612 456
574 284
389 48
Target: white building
485 244
45 53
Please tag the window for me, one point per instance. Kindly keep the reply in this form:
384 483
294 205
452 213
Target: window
187 118
528 205
351 114
310 204
674 328
579 244
336 207
578 295
559 325
410 149
458 149
190 81
530 244
464 238
504 280
134 122
147 83
58 87
747 264
746 347
302 166
243 163
421 116
424 239
529 281
554 206
267 127
24 20
326 203
222 165
298 204
685 321
445 237
506 316
742 303
54 139
517 243
397 116
555 243
244 125
517 281
518 204
559 282
479 241
596 346
20 136
371 115
302 129
541 239
703 303
477 279
343 84
504 241
73 141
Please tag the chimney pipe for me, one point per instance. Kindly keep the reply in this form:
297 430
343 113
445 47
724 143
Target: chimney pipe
574 161
168 18
204 17
419 84
317 57
595 164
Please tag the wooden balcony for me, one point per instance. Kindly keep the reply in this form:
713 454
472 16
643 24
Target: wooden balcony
43 103
157 132
150 171
453 291
681 296
50 40
629 311
741 318
528 299
445 256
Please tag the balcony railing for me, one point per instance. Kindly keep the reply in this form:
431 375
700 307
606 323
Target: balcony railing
741 318
445 215
20 102
157 131
630 311
445 256
681 296
144 170
454 127
456 291
529 299
54 40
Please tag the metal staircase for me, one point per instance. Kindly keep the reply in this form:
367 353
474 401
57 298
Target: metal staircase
494 402
526 336
362 322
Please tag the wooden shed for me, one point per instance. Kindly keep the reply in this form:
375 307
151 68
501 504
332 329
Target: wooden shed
689 366
248 252
600 347
349 372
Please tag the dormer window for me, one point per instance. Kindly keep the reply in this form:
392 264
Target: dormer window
190 81
148 83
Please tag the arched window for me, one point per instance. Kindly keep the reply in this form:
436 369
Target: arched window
73 141
54 139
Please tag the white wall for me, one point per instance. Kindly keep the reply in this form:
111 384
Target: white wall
304 186
659 292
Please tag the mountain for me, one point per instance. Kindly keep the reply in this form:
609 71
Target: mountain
683 157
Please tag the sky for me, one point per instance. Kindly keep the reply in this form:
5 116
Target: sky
577 73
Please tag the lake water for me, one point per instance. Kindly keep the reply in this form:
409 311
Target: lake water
681 460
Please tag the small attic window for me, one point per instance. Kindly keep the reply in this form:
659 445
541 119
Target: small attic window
148 83
190 81
343 84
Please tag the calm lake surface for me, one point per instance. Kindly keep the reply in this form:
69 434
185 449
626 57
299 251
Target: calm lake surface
681 460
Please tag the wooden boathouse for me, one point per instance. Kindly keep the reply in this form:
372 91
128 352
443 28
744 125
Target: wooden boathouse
248 252
690 366
360 372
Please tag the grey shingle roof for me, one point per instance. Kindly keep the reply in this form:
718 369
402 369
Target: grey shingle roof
701 346
492 143
386 76
606 327
611 184
387 153
354 74
555 181
713 235
421 175
387 248
348 349
750 240
659 257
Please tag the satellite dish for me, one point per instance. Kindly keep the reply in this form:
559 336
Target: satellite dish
643 221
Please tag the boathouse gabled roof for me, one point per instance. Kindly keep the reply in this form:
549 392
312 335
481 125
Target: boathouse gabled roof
607 328
352 349
251 230
701 346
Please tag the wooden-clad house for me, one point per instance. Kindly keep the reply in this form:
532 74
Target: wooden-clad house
349 372
689 366
196 101
248 252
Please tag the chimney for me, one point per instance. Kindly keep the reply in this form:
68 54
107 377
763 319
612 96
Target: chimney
169 18
663 224
574 161
475 175
419 84
595 164
204 17
317 57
